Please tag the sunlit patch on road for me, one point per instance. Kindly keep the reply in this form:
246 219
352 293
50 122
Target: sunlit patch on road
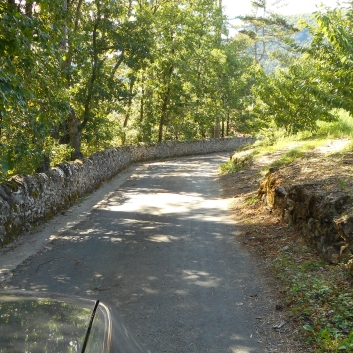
162 238
200 278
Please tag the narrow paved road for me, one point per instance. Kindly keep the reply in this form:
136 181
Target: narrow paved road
161 248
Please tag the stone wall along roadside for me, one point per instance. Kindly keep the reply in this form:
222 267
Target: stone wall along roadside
26 200
324 218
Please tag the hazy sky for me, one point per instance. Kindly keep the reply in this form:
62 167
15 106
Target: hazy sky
241 7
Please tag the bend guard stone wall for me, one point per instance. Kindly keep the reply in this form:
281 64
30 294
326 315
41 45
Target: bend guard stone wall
31 199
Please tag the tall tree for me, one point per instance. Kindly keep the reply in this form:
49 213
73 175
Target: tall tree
31 99
280 103
185 35
332 51
77 76
103 36
264 26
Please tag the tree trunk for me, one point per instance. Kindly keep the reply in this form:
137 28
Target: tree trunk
142 105
166 98
1 126
68 131
163 114
75 136
116 66
216 130
142 112
94 74
228 118
128 112
222 127
29 8
12 3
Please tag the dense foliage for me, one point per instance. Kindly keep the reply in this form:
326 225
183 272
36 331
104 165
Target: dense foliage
332 50
77 76
315 80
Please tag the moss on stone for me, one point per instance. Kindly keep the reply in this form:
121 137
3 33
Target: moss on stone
9 226
12 230
49 214
12 185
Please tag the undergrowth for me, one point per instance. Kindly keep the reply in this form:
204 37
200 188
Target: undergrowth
319 297
236 164
343 127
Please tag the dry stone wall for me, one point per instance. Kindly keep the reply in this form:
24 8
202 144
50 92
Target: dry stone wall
30 199
324 218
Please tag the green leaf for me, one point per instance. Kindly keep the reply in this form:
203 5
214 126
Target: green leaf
308 328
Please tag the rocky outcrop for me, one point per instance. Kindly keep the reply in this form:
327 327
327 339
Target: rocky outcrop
29 199
324 218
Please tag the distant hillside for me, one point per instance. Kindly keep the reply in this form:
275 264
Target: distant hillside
302 37
278 53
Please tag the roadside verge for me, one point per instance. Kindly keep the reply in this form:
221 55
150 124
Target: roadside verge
315 297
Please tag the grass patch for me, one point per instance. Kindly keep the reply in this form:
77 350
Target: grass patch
229 167
236 164
296 144
289 157
343 127
296 152
252 200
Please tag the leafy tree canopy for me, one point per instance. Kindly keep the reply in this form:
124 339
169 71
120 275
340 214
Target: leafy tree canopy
78 76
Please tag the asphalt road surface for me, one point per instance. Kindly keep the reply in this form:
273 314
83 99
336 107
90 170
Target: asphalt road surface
160 246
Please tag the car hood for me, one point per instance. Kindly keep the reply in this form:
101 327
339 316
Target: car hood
36 322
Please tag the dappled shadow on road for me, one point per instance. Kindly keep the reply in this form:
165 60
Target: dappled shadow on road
162 250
